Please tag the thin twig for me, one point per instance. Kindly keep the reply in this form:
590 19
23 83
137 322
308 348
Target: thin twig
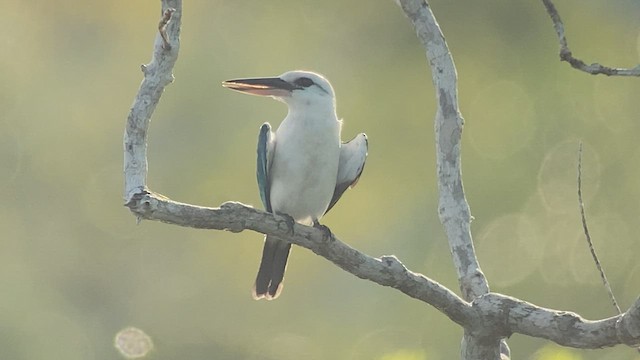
588 235
162 27
566 55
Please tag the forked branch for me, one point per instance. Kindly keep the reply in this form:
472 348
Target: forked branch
567 55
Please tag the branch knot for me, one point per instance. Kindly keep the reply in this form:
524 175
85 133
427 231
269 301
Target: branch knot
392 262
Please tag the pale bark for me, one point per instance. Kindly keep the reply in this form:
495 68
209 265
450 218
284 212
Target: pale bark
567 55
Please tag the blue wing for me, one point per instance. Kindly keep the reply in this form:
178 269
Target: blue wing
275 252
353 155
265 155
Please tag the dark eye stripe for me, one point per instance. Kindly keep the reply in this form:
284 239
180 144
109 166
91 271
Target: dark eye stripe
303 81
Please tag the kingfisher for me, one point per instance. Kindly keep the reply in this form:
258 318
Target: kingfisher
303 168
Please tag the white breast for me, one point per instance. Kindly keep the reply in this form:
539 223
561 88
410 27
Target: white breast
305 166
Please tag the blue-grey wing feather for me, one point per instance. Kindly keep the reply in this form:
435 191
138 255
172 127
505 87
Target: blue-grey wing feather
353 155
265 148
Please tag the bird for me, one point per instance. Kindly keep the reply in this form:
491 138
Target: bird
303 168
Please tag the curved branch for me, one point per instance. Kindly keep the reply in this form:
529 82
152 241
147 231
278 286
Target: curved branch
453 208
236 217
157 75
566 55
501 315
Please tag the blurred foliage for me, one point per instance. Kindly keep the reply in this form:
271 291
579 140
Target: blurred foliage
75 268
553 352
405 355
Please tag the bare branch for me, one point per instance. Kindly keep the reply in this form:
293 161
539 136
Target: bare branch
588 235
562 327
566 55
453 208
236 217
493 313
157 75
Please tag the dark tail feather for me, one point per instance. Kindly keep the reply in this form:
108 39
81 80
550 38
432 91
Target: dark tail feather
271 272
264 272
279 266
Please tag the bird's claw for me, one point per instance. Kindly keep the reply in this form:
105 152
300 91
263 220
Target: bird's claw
326 232
289 221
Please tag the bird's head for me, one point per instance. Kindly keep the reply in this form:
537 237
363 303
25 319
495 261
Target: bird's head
295 88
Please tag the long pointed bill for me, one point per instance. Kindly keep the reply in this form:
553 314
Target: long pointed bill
260 86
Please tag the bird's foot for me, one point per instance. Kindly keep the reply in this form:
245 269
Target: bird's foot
289 221
327 235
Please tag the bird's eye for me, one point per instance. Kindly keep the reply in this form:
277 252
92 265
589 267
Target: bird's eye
305 82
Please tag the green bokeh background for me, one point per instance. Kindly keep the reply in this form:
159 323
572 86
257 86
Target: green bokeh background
75 268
